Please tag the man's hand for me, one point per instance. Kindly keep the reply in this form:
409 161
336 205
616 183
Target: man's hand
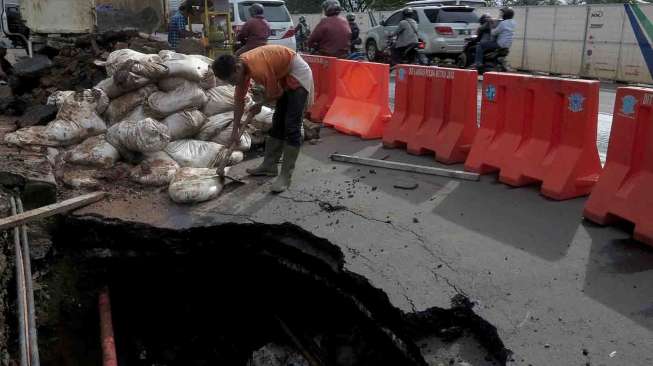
256 109
235 135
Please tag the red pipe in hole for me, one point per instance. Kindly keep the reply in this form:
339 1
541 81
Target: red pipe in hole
109 357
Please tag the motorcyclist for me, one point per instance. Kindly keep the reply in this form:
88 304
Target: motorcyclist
332 36
355 32
255 31
502 36
483 34
407 35
302 32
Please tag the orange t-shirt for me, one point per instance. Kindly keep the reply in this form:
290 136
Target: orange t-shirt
269 66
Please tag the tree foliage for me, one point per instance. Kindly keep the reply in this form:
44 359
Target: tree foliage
314 6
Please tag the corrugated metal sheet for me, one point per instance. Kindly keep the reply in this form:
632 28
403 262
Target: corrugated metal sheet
59 16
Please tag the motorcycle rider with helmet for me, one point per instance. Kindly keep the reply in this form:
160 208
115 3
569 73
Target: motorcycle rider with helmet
407 36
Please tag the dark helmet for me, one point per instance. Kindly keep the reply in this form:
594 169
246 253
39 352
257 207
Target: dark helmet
302 19
409 12
256 9
331 7
484 18
507 13
351 17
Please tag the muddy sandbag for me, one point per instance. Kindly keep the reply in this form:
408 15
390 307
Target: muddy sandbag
94 152
77 119
221 99
120 107
137 114
194 185
59 97
187 96
157 169
143 136
184 124
220 130
168 55
275 355
118 57
150 70
130 81
170 84
190 68
81 178
209 81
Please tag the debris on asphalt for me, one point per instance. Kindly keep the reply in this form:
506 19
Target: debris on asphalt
407 186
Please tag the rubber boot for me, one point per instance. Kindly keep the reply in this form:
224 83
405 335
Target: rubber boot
273 150
290 154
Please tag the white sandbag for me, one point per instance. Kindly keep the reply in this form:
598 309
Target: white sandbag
190 68
224 138
113 90
142 136
167 55
263 120
127 80
150 70
220 100
95 152
122 106
193 153
158 169
188 96
118 57
214 125
57 98
184 124
209 81
170 84
193 185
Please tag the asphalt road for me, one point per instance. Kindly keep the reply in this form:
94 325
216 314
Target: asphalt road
561 290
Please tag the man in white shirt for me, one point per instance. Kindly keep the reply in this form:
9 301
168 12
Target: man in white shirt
502 36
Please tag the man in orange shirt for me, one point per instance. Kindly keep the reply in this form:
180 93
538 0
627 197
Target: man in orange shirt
288 80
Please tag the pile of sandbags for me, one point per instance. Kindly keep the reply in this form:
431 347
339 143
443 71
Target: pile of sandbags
161 113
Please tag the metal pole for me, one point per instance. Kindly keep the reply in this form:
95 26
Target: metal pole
581 72
29 289
23 333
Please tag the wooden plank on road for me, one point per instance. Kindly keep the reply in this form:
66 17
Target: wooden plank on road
421 169
50 210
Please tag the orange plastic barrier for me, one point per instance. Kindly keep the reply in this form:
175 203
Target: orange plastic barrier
435 111
539 129
324 78
625 189
361 106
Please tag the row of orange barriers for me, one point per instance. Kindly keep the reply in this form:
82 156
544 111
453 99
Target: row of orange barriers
533 130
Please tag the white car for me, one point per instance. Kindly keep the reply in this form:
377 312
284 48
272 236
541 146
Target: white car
276 13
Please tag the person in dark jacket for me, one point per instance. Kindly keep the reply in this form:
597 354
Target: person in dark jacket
302 32
255 32
355 32
332 36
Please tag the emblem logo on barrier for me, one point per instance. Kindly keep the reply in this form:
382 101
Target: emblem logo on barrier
576 102
402 74
628 104
491 93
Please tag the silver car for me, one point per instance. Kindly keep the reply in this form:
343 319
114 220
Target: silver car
442 29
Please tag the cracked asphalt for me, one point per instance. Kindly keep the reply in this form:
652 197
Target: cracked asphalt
561 291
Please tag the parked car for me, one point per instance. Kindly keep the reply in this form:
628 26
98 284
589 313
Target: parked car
276 13
442 28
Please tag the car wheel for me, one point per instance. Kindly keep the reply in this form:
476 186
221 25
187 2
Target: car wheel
461 61
372 50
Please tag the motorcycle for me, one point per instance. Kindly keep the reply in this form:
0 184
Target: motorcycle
413 55
494 60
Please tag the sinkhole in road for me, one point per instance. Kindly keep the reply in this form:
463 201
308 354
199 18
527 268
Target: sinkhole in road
229 295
